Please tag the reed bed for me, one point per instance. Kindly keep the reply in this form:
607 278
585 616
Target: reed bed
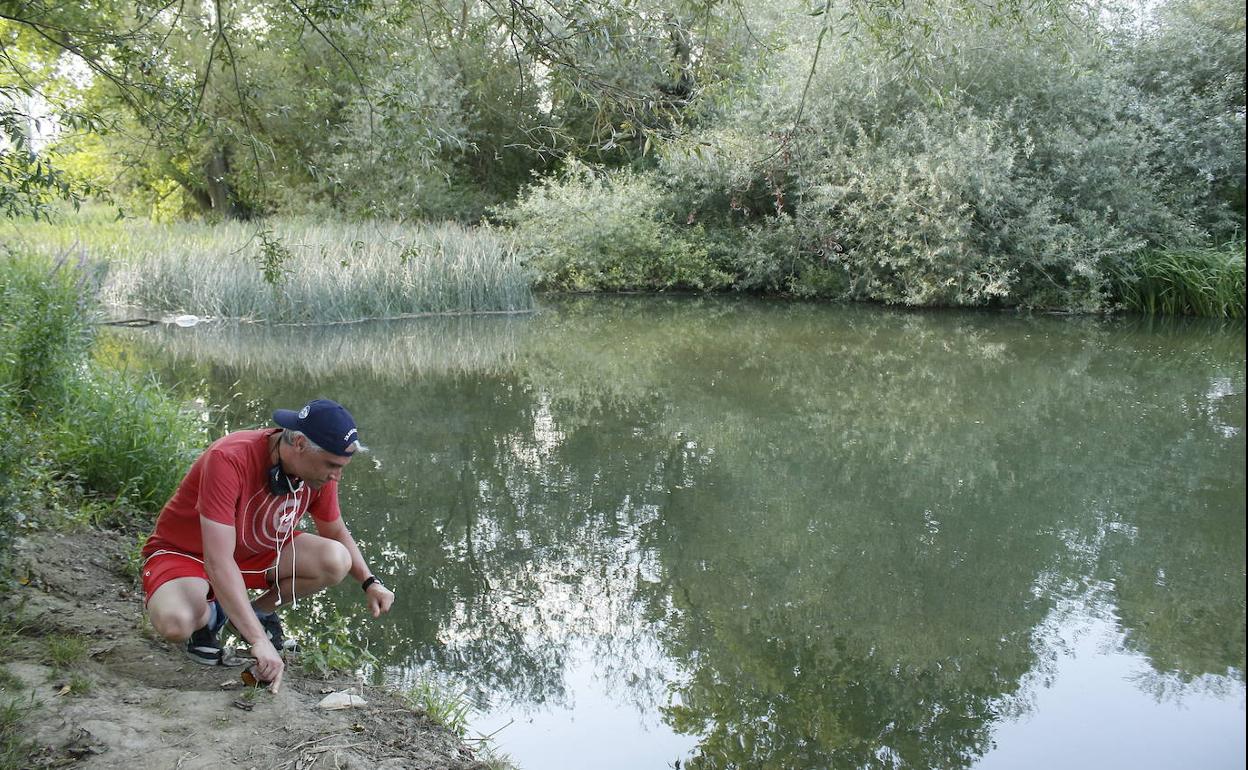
1201 282
298 271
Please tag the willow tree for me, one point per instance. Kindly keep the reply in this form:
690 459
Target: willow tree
249 106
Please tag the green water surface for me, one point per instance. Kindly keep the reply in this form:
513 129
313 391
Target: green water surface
746 534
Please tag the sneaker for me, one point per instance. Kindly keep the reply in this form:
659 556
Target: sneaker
272 625
204 646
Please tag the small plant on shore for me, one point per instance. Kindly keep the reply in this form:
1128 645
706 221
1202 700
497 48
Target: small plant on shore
15 747
80 684
332 648
132 568
439 704
64 651
493 759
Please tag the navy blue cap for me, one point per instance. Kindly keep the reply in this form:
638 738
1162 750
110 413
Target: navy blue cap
325 422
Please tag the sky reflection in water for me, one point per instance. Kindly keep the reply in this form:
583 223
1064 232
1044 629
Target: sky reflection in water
757 534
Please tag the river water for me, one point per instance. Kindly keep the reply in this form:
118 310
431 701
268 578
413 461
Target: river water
646 532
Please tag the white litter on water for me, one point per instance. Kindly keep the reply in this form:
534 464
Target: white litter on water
184 321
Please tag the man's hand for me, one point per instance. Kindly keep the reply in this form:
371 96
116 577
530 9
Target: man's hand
379 599
269 665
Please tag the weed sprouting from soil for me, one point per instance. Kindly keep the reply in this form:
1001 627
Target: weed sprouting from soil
439 704
64 651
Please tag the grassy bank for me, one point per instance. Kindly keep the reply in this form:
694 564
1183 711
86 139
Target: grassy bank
86 446
293 270
1201 282
82 442
592 232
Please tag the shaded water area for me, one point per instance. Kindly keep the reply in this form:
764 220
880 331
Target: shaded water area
747 534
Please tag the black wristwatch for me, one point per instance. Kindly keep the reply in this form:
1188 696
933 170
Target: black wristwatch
371 580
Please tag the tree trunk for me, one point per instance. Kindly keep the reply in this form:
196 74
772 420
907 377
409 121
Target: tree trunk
220 194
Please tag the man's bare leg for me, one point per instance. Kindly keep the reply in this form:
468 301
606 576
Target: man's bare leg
314 562
179 607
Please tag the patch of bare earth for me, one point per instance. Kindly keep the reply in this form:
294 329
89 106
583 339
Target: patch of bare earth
133 700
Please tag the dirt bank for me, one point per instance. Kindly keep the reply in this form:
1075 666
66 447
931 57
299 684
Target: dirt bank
98 690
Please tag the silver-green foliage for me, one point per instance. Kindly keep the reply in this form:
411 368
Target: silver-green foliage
591 230
1013 165
945 211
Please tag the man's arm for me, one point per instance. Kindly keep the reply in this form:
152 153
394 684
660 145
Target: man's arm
227 584
379 597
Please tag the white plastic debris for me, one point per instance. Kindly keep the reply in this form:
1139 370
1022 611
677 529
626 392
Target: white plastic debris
341 700
184 321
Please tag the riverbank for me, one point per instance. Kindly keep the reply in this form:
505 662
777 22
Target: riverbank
581 237
85 681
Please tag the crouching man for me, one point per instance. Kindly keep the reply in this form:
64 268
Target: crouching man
231 526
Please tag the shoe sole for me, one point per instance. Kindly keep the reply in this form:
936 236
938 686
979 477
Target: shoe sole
205 656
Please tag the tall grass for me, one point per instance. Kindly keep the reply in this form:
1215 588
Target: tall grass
69 424
1202 282
15 744
127 436
44 336
299 270
44 326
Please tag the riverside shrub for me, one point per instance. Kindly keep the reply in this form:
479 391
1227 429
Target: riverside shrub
588 230
71 424
1016 169
938 212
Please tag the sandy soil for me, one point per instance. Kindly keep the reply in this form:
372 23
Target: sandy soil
148 706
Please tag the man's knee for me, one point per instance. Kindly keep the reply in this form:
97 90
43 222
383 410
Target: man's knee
174 623
339 562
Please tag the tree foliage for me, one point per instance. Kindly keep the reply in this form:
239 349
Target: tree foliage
943 152
1027 164
257 105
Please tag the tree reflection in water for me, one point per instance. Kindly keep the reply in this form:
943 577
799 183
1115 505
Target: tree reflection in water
848 531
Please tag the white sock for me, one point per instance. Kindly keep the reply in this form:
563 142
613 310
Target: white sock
216 614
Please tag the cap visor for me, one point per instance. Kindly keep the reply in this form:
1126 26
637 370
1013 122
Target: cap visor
287 418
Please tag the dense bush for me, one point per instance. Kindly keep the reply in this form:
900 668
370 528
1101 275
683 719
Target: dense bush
937 212
70 425
597 231
1013 168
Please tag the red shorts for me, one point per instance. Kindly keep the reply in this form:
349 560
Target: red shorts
164 566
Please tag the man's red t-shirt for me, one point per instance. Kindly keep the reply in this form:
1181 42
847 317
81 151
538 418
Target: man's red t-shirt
229 484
